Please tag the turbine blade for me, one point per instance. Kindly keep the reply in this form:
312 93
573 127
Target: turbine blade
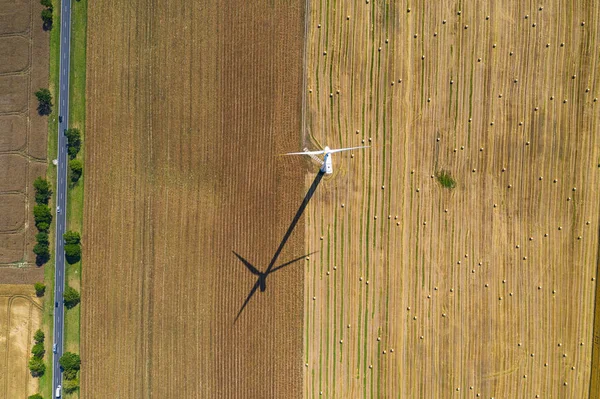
292 261
305 153
247 299
350 148
247 264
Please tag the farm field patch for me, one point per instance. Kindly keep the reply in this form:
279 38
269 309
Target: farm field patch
24 69
214 94
424 291
20 317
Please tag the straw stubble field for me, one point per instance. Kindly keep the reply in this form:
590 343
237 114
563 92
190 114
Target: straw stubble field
486 289
20 317
187 105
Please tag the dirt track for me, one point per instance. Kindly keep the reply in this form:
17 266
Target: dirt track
204 97
422 292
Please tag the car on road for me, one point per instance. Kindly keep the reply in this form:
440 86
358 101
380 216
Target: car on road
58 389
58 209
55 304
54 348
60 118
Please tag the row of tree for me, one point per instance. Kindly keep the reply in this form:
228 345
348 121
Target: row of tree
36 363
74 146
70 364
43 217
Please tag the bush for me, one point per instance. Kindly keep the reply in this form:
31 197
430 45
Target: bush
42 214
72 237
70 385
38 350
39 336
445 179
42 254
70 361
44 97
37 367
43 190
46 3
71 298
42 238
43 227
70 374
36 396
40 290
73 141
72 253
76 167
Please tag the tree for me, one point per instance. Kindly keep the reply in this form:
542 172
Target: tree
44 98
38 350
39 336
42 238
70 361
42 214
76 167
71 298
42 254
72 237
40 289
36 396
70 374
73 141
70 385
43 226
72 253
37 367
46 3
43 190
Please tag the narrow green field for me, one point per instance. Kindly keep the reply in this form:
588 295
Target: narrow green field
75 192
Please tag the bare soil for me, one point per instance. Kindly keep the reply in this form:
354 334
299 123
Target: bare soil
211 98
14 133
15 16
10 219
15 51
14 93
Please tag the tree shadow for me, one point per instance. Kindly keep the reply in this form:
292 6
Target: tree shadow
261 282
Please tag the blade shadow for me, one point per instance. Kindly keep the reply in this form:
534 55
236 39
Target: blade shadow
286 237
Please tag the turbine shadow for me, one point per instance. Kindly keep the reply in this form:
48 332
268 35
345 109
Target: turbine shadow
261 282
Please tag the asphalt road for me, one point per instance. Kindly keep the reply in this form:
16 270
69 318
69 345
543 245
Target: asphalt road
61 189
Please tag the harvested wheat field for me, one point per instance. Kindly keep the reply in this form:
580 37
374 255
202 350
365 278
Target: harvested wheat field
481 290
20 317
23 70
203 96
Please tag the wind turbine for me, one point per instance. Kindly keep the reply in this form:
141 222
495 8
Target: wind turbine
327 163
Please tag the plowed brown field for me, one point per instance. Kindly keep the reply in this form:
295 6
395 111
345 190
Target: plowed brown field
486 289
188 105
23 70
